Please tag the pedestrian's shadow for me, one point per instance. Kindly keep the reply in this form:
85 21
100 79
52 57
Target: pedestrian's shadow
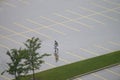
56 57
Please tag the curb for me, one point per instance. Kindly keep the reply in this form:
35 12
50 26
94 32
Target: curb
94 71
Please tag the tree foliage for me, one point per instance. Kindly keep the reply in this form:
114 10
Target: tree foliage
34 60
16 66
25 60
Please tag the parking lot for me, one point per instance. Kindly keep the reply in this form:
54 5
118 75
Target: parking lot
82 28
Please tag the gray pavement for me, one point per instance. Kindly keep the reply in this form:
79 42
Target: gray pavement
106 74
83 29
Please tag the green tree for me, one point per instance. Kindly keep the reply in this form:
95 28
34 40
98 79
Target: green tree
34 60
16 66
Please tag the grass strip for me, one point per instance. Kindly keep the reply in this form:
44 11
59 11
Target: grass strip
78 68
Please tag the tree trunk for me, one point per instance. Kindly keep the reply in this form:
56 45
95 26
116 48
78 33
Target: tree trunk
15 75
33 74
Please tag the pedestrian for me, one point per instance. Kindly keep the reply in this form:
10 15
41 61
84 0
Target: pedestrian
56 51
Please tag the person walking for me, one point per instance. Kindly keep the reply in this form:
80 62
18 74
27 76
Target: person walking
56 51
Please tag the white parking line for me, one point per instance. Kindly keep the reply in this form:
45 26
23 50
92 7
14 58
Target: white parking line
101 77
66 61
85 50
48 27
112 2
74 20
99 13
98 46
5 47
61 59
73 54
11 40
113 72
50 64
67 21
69 27
88 15
114 43
92 19
10 30
106 8
25 27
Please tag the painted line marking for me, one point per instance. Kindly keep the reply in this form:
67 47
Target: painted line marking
68 21
50 64
73 54
98 46
114 43
91 14
59 23
105 8
57 14
85 50
7 29
25 27
92 19
44 26
11 40
73 20
61 59
4 46
101 77
113 72
99 13
111 2
66 61
48 27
